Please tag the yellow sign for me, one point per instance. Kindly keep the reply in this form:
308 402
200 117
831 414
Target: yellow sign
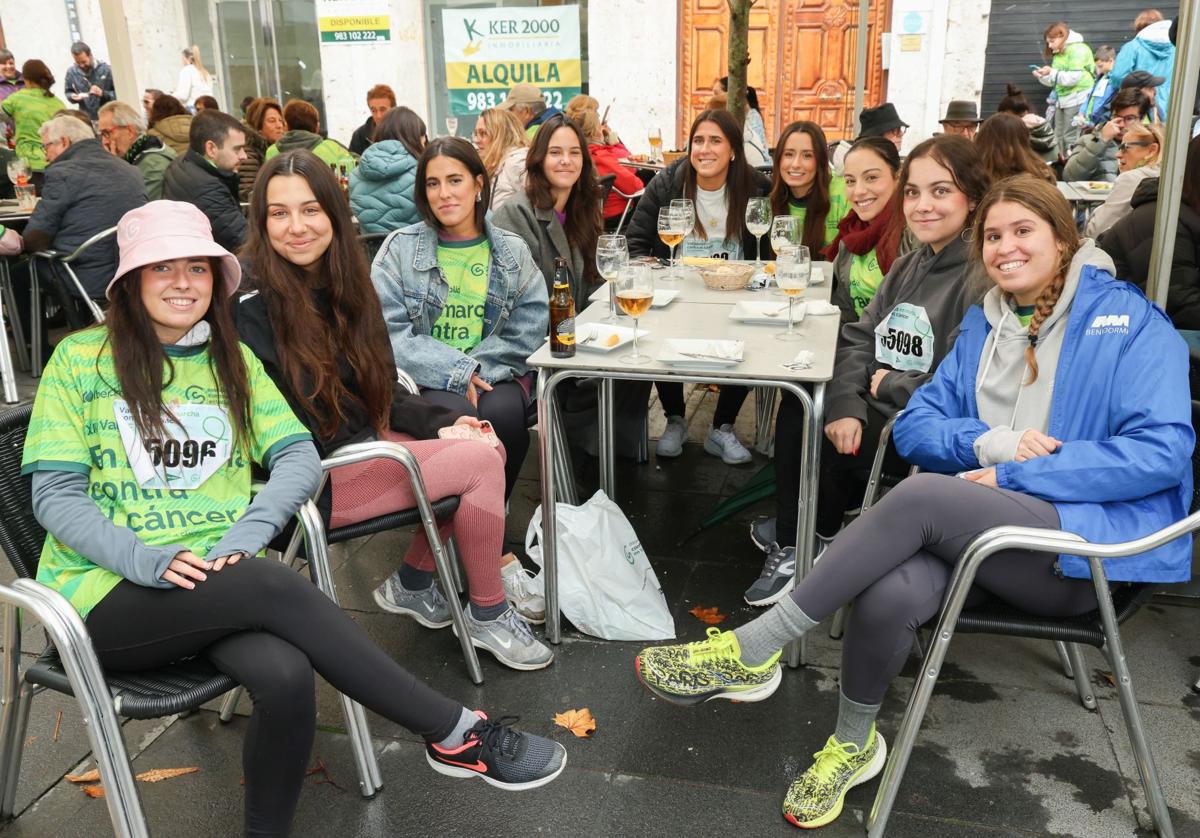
503 75
910 43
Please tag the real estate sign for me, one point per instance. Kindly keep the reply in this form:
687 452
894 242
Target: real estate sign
490 50
354 21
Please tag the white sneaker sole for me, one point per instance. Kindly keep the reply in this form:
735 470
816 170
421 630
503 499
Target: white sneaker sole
760 693
719 451
465 773
386 605
775 597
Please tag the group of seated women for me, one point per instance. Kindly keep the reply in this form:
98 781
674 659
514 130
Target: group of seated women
1005 379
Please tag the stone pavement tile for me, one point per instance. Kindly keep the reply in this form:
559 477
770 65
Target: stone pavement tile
1171 729
657 808
1019 760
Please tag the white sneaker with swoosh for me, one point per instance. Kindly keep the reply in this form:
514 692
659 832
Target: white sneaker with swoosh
509 639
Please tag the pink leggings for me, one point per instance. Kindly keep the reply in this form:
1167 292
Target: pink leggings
472 470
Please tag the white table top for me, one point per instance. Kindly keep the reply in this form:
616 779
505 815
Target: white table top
762 357
1077 191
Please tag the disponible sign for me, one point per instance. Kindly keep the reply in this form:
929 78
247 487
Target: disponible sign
490 50
353 21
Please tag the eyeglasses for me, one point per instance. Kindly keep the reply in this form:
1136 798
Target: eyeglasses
1134 143
46 146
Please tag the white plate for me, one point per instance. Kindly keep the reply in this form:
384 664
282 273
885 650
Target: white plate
662 296
602 332
760 311
724 353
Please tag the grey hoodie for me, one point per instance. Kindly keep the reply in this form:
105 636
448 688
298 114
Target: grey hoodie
943 286
1006 404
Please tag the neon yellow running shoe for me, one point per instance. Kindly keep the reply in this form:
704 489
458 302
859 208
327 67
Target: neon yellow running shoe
817 795
693 673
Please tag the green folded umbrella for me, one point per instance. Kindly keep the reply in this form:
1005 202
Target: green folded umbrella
758 487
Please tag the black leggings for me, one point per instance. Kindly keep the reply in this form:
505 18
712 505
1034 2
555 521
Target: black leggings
843 477
268 628
504 406
729 401
895 562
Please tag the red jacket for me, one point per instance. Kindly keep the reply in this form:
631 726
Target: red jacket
606 158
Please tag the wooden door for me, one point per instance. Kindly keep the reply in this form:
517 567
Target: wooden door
704 55
802 55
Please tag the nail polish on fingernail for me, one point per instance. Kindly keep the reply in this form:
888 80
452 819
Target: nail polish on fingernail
855 452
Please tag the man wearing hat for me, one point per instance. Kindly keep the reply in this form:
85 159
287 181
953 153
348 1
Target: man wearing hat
882 121
1148 83
527 104
962 118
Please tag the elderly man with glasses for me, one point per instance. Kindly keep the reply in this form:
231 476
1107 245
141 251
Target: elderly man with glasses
123 134
1094 156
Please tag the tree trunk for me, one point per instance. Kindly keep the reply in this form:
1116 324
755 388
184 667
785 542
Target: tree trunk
739 56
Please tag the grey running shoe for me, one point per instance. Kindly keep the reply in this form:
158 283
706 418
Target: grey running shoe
510 639
670 444
503 757
427 607
722 442
762 532
777 577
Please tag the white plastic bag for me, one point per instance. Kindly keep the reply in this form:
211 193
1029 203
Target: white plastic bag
606 586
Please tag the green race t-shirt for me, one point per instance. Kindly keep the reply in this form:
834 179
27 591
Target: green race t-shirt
1025 313
838 209
78 425
465 266
865 278
30 107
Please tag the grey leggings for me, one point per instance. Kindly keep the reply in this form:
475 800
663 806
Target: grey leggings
895 563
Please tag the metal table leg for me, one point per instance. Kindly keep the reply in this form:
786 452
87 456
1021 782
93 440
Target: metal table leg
546 385
806 517
607 445
6 365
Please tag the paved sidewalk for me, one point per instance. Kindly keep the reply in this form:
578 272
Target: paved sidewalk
1006 750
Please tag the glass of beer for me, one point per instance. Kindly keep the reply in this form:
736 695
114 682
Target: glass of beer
656 149
635 291
612 254
672 229
791 273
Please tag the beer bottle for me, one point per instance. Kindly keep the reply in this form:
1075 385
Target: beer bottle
562 314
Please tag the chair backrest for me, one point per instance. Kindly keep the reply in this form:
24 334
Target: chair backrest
371 242
21 536
606 185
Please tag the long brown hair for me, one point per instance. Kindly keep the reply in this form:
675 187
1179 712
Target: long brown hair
403 125
817 209
36 73
139 358
506 132
1004 149
310 344
739 181
1045 201
1057 28
584 218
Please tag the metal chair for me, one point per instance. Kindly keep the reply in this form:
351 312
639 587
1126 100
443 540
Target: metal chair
7 372
606 185
371 242
64 261
630 203
69 664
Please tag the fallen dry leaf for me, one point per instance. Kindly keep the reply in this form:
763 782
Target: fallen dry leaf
94 791
708 615
323 771
57 724
579 722
157 775
92 776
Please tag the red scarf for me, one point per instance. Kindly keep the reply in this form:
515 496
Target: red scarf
881 233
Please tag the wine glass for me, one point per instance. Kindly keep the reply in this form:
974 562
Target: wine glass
452 126
791 273
635 292
758 222
686 210
785 232
19 171
612 254
672 230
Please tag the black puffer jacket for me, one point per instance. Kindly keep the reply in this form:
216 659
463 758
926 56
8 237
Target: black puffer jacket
667 185
193 179
1129 242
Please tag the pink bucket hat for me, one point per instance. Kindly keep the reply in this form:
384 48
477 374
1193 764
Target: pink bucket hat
164 230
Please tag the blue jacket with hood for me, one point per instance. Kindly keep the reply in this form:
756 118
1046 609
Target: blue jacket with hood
1153 52
382 188
1121 409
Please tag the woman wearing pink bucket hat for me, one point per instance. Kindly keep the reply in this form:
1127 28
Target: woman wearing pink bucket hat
140 447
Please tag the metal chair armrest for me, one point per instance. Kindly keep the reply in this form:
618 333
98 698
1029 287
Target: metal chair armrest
407 382
77 252
637 194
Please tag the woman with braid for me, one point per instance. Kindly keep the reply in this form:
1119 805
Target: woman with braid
1063 405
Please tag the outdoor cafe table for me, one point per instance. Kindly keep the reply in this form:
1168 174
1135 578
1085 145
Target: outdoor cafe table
9 215
697 313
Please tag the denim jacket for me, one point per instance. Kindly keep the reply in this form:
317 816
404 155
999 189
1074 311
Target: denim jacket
412 289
